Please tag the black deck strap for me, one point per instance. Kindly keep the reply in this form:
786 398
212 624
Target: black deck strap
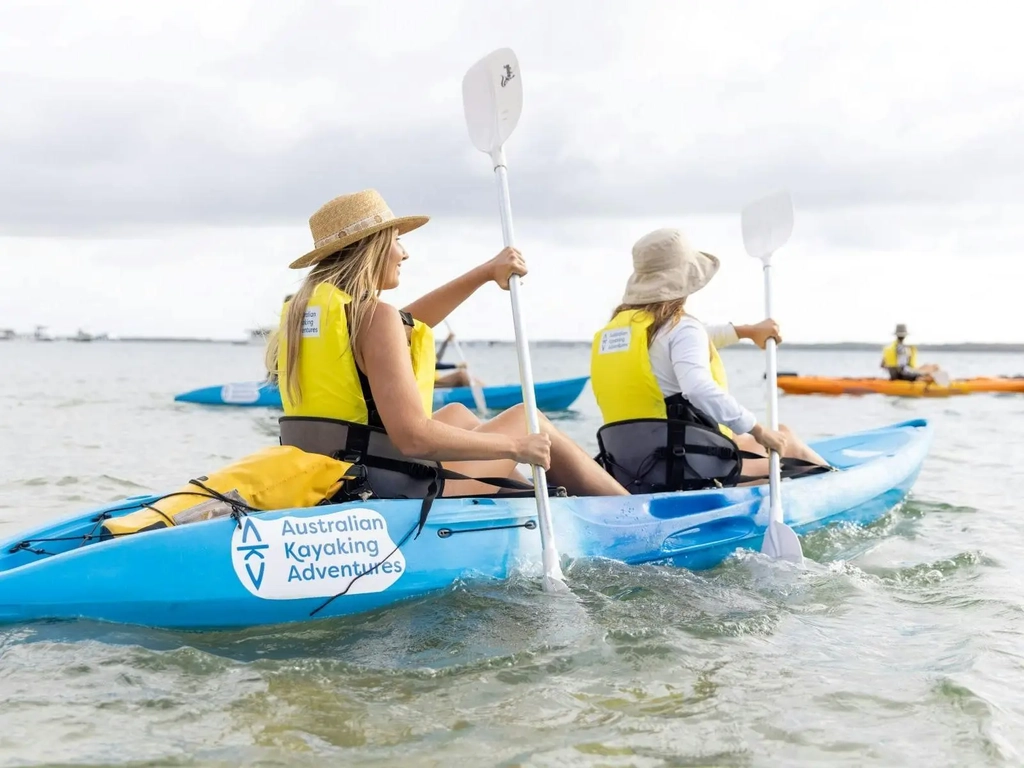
377 565
791 468
238 508
428 502
409 468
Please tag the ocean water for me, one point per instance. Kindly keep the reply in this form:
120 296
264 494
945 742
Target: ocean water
901 645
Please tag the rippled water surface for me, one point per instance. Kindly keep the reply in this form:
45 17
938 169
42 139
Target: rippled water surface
900 644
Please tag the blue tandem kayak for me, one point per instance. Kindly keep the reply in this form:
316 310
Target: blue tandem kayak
287 565
555 395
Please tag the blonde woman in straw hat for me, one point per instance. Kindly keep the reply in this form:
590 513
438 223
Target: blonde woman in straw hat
669 420
356 374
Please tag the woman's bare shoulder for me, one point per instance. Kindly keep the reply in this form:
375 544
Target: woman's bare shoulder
383 316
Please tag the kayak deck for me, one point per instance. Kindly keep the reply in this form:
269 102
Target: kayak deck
291 565
821 385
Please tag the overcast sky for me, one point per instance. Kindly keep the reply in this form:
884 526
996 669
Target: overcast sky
156 156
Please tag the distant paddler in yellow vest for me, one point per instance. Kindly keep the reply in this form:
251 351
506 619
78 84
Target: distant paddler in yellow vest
899 359
356 374
669 420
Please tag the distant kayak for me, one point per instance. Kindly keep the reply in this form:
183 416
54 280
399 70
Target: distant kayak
554 395
823 385
294 565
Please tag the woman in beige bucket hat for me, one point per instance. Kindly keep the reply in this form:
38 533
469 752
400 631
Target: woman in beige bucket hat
357 254
653 353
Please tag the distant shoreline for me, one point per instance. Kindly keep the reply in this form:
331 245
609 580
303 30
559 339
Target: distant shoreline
841 346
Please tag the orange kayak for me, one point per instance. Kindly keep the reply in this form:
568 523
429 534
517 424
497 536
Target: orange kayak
824 385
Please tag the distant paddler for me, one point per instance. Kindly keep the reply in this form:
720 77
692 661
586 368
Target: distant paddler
900 360
452 374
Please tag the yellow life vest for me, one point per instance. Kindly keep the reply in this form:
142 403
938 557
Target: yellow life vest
277 477
621 374
328 377
891 356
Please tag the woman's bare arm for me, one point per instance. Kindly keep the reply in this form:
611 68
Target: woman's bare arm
384 353
435 306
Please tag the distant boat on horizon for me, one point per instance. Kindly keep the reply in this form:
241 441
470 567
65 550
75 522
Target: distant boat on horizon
259 335
83 336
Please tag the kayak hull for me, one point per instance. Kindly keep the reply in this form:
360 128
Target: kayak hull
821 385
556 395
285 566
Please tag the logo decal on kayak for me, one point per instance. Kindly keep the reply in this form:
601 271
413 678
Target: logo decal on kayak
240 392
316 556
615 340
249 530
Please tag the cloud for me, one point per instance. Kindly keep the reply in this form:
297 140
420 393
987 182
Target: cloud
256 118
148 147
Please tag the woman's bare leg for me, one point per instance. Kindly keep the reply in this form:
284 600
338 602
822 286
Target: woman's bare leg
571 467
795 449
457 378
458 415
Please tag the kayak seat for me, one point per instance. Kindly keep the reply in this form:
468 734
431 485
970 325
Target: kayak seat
660 455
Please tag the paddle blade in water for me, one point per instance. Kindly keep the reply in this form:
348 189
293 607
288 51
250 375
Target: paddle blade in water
492 97
767 224
781 542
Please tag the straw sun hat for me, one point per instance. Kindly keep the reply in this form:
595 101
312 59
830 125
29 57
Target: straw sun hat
667 267
348 218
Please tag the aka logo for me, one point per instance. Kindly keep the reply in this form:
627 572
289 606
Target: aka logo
507 76
256 576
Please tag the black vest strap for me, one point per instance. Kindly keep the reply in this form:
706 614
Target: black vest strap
372 415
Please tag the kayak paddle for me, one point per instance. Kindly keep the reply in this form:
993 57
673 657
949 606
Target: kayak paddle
492 97
767 225
476 389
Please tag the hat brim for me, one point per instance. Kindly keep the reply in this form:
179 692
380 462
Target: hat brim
404 224
671 284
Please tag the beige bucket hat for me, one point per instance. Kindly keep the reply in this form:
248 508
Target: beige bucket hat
901 329
667 267
348 218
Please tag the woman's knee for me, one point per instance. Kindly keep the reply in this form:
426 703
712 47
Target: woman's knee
518 411
457 415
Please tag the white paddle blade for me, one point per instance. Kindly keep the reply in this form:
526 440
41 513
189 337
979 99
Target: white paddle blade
492 97
767 224
782 543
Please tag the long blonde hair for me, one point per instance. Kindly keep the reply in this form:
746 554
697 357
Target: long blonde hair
358 269
662 311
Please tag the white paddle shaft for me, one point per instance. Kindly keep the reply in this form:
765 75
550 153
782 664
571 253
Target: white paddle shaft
549 555
774 465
